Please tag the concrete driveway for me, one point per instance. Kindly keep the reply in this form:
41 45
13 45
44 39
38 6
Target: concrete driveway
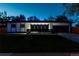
70 36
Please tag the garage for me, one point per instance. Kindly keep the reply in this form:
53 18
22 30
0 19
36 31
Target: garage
61 28
40 28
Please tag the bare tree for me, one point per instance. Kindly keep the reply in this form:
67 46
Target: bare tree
71 8
50 18
22 17
33 18
62 19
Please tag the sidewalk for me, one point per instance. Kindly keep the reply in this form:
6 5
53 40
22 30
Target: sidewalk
70 36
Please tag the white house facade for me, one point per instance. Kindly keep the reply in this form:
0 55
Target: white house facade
38 26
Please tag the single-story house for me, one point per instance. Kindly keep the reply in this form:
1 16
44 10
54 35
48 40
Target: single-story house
40 26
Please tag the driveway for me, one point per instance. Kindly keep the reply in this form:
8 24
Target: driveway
70 36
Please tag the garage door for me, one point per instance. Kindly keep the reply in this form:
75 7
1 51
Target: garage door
61 29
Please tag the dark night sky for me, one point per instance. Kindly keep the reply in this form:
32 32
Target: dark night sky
41 10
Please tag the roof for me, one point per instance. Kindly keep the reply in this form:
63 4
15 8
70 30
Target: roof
35 22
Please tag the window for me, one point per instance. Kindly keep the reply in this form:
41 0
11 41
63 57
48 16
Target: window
22 25
13 25
2 25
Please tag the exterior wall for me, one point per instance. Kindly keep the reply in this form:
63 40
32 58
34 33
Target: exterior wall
13 29
16 29
19 28
27 26
8 27
22 29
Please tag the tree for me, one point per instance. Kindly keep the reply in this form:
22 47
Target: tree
62 19
50 18
3 16
71 8
45 19
77 25
10 18
22 18
19 18
33 18
1 20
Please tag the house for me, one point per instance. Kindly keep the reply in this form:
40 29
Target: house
15 27
38 26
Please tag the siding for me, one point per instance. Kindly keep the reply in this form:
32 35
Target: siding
8 27
16 29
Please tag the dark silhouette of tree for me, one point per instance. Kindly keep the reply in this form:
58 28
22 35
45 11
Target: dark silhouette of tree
22 18
33 18
19 18
71 8
62 19
30 18
45 20
51 18
10 18
3 16
1 20
77 25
